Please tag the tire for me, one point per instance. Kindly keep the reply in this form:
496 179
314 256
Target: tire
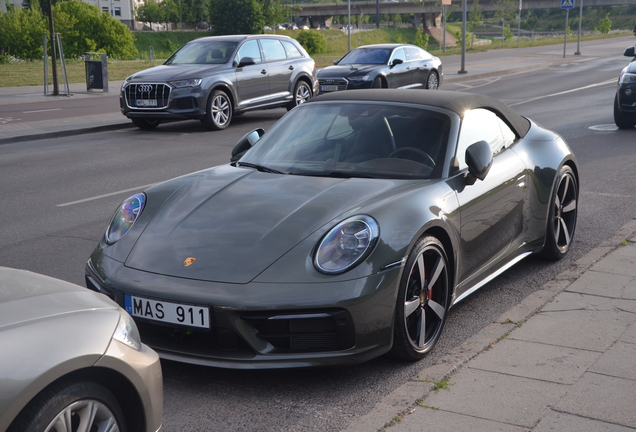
562 217
422 302
146 123
48 411
377 83
302 93
218 114
432 82
623 120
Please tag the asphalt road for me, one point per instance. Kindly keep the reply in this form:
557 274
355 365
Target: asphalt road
58 195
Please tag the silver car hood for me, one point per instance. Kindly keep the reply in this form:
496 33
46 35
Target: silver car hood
27 296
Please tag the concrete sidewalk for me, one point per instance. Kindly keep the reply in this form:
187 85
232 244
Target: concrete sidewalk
562 360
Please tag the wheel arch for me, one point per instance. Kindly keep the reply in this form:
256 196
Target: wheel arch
444 238
122 389
229 91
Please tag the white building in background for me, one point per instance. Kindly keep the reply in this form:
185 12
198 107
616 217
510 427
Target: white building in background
123 10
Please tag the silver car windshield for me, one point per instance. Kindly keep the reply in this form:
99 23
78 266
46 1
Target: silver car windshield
366 56
354 140
203 52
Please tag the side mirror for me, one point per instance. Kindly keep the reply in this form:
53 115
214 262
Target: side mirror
246 143
479 161
246 61
629 52
336 62
396 62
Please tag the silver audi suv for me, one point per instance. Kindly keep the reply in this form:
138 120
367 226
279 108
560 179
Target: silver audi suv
215 78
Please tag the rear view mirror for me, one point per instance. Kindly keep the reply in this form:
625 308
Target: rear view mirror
396 62
246 61
479 161
629 52
246 143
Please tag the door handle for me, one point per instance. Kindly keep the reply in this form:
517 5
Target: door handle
264 72
291 67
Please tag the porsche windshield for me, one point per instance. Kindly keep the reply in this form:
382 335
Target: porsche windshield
354 140
203 52
366 56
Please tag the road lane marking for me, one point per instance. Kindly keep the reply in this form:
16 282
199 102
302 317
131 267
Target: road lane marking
37 111
105 195
612 81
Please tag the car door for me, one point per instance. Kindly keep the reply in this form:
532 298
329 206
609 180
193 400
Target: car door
279 67
491 211
398 75
252 82
420 67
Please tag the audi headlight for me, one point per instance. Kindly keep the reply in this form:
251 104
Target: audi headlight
127 332
360 78
125 217
193 82
346 245
628 78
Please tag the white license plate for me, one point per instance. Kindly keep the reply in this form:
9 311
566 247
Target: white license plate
146 102
168 312
329 88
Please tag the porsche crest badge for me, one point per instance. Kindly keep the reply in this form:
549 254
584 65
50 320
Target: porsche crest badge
189 261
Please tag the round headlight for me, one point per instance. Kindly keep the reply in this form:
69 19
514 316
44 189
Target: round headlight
125 217
346 244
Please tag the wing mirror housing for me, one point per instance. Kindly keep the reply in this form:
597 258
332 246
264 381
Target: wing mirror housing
246 61
396 62
479 161
629 52
336 61
245 143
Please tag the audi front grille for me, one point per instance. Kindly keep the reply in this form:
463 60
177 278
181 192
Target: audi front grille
147 96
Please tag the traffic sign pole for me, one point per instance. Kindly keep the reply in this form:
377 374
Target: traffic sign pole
578 41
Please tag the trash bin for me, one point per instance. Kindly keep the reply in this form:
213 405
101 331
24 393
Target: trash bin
96 72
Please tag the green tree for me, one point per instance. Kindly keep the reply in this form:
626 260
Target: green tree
274 12
149 11
604 25
421 38
236 17
475 17
312 41
85 28
21 31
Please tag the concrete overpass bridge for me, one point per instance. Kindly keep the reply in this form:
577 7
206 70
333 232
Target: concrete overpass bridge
426 12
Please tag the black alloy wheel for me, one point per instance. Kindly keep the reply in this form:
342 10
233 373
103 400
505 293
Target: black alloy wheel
623 120
423 300
562 216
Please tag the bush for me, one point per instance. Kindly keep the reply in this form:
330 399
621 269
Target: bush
312 41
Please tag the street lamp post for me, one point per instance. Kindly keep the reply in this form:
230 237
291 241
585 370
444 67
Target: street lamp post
578 41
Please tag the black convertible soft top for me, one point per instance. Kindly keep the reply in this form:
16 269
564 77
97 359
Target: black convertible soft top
456 102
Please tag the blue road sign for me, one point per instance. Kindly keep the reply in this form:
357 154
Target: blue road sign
567 4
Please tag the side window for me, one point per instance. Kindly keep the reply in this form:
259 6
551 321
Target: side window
477 125
413 53
398 54
273 50
249 49
509 136
292 50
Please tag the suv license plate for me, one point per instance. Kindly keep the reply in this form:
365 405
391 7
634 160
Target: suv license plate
168 312
146 102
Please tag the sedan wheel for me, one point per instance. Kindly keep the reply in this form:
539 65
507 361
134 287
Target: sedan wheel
302 93
83 406
423 301
432 82
145 123
219 112
623 120
562 217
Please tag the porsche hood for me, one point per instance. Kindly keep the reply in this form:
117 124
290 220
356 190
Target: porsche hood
229 224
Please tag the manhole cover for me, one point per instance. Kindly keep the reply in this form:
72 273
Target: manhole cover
604 127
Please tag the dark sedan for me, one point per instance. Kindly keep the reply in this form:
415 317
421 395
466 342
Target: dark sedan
625 99
346 231
215 78
382 66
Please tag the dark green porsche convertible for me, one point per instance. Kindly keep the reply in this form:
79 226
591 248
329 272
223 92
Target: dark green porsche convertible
346 231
